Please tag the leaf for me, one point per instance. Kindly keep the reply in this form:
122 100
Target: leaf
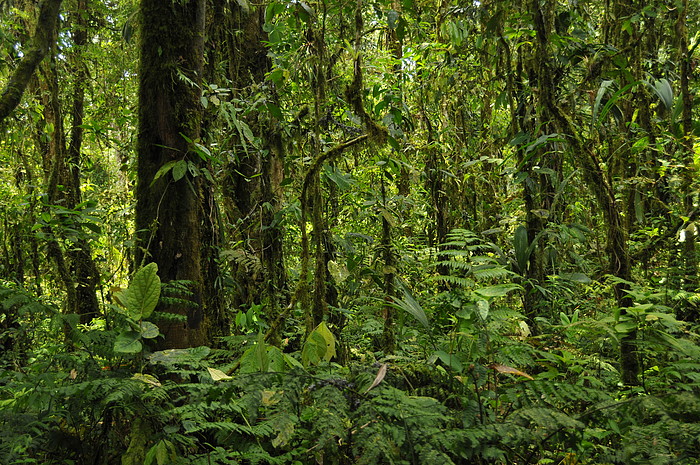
509 370
163 170
128 342
261 354
522 252
329 339
602 90
663 90
218 375
410 305
626 327
378 379
498 290
272 10
144 292
320 345
148 330
179 169
314 348
146 378
450 360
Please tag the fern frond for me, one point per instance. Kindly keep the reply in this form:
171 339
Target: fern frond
453 280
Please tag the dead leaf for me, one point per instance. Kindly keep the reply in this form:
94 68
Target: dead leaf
511 371
378 379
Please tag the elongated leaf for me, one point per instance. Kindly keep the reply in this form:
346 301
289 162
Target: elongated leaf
663 90
602 90
144 292
522 253
378 379
499 290
409 304
509 370
163 170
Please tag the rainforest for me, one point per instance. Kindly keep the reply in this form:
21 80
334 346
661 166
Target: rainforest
332 232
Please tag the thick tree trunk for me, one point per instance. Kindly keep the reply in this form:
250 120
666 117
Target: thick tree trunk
175 214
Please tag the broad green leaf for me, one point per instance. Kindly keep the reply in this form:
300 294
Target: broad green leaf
498 290
314 349
128 342
329 339
272 10
179 169
144 292
450 360
148 330
249 362
625 327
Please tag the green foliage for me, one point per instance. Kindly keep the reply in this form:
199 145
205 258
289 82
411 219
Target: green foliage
138 302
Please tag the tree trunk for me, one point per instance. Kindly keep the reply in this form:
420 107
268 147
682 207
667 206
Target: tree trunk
42 41
175 214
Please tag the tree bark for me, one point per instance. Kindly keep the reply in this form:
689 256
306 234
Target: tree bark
175 214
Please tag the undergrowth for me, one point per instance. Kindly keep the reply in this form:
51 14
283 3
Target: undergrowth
476 387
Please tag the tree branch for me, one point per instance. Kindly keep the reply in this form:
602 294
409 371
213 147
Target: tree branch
41 44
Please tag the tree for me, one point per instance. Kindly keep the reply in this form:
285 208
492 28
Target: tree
176 222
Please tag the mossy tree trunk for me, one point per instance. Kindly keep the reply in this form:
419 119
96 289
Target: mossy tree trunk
175 214
44 38
68 244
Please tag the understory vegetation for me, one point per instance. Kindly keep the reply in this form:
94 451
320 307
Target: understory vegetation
349 232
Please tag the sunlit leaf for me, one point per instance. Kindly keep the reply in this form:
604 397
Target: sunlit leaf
218 375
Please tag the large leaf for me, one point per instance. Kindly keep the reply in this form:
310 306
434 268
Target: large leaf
329 340
148 330
128 342
522 252
314 349
499 290
144 292
662 88
320 345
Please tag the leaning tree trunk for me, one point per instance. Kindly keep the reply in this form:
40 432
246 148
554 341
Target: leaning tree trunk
175 213
43 39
